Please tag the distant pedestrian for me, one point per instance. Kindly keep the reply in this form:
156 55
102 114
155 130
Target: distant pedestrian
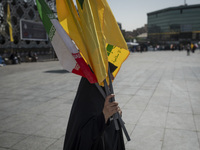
188 49
192 47
13 58
1 61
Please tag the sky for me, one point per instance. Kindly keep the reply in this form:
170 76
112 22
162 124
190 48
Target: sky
132 14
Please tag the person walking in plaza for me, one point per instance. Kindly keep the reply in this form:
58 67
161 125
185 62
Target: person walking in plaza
90 126
188 49
192 47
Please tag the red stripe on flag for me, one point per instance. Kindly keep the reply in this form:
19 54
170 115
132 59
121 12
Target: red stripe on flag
84 68
77 70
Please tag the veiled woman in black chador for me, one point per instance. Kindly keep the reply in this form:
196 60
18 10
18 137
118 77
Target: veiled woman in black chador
90 126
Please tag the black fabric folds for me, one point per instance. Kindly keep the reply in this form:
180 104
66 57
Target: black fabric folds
86 128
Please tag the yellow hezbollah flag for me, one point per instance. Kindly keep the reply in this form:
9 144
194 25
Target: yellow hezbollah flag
95 32
84 33
70 21
114 42
9 23
94 38
116 45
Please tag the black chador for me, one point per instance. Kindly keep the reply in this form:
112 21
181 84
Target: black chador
86 127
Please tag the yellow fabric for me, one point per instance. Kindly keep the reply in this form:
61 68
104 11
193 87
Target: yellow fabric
113 36
70 21
117 56
9 23
94 38
109 25
93 29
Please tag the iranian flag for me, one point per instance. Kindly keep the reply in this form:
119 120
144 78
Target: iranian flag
66 51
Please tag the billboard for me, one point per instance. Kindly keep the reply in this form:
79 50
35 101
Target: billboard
31 30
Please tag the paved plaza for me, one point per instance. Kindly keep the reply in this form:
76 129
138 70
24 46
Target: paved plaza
159 93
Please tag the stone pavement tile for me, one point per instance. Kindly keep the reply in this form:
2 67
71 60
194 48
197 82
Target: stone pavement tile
140 98
180 121
3 148
24 116
198 136
178 76
24 106
179 85
3 115
128 91
122 99
25 91
61 110
145 93
146 138
196 110
180 94
68 95
196 105
9 104
39 109
180 140
182 109
161 92
128 84
9 139
54 130
157 108
160 100
34 143
193 85
37 98
165 85
179 89
197 122
55 93
131 116
148 87
150 84
137 102
29 126
153 118
136 83
180 102
70 86
58 145
9 123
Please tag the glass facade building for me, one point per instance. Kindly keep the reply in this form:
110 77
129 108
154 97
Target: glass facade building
174 25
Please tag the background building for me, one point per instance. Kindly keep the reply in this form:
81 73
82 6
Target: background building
175 25
28 31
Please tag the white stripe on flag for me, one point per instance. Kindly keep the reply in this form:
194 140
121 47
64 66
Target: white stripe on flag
64 55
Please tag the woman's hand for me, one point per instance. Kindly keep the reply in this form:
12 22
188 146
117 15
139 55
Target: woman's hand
110 108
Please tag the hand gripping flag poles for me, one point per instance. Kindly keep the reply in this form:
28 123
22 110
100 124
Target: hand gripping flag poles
109 90
92 29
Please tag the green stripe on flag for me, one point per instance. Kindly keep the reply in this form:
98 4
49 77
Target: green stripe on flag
46 14
109 49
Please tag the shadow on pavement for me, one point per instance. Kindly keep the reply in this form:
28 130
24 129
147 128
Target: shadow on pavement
56 71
